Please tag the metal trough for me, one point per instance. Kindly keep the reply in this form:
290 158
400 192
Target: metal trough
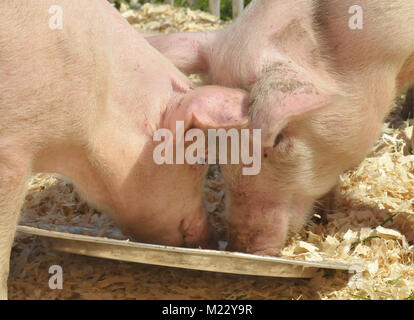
195 259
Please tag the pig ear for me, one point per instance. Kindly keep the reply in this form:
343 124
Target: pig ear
211 107
289 93
187 51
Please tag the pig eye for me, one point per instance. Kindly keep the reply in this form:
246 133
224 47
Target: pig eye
278 139
268 151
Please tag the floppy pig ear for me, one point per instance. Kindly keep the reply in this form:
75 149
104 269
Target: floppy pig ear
211 107
187 51
287 92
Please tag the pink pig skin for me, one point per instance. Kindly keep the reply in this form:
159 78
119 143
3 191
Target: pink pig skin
85 102
320 92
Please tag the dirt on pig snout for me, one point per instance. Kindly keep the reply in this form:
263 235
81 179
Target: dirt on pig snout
370 222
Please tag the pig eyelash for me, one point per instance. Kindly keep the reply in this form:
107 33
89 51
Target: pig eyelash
278 139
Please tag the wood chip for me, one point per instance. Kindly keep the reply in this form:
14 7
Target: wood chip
304 247
388 233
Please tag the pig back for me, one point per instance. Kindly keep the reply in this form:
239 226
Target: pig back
51 78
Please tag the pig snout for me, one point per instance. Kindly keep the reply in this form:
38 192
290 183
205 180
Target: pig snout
262 226
191 231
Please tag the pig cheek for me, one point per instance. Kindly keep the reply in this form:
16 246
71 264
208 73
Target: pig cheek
300 212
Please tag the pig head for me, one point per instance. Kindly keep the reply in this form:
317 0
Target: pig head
319 90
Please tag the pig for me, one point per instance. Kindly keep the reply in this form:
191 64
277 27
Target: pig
322 76
84 101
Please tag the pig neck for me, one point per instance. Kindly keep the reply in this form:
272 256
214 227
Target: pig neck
366 76
380 44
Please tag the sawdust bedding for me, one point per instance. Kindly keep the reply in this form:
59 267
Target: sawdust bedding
371 224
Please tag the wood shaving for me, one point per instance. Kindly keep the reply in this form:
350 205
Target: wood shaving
168 19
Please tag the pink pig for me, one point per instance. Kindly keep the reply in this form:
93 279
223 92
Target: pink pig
84 101
322 76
